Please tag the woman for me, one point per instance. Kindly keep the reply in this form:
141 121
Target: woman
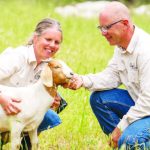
22 66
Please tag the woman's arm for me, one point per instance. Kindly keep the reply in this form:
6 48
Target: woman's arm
9 105
9 64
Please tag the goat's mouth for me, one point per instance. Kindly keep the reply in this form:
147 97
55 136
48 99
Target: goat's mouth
66 82
69 78
65 85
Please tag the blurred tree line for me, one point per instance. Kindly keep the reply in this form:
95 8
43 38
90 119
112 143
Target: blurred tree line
67 2
127 2
135 2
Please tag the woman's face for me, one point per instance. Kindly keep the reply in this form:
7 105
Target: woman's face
47 44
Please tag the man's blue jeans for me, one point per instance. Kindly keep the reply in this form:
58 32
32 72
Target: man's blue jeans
109 107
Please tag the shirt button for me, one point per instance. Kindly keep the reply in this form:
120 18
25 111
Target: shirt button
17 83
31 81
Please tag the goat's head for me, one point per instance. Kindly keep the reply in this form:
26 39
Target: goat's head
56 73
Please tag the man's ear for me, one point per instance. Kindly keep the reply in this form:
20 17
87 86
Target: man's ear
46 76
125 22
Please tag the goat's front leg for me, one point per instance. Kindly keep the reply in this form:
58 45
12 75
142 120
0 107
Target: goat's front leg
4 139
1 144
34 139
16 129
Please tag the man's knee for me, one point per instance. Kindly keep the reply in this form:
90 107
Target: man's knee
95 99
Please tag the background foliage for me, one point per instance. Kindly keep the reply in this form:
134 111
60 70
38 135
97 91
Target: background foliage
83 49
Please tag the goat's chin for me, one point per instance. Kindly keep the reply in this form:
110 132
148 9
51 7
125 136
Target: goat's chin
64 85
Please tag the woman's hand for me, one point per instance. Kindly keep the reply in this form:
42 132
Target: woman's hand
56 102
9 105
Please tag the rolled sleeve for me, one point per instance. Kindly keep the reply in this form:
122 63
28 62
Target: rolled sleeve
87 83
123 124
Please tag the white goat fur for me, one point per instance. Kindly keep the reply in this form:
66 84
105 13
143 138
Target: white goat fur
35 101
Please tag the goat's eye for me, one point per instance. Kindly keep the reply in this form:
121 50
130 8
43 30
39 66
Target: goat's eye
56 67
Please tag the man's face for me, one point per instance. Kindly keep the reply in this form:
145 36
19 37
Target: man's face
111 29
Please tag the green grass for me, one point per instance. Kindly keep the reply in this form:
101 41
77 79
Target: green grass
83 49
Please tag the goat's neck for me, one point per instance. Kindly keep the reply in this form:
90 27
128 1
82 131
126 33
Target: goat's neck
52 90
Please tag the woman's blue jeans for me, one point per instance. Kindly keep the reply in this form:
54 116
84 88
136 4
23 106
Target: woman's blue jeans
51 119
109 107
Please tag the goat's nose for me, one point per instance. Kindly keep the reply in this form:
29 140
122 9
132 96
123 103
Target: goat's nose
71 73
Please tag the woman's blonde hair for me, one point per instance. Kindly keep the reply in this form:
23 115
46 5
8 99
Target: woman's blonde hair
43 25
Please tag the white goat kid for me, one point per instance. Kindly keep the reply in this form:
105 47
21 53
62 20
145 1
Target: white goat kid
36 100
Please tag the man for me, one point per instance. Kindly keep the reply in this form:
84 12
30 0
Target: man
122 114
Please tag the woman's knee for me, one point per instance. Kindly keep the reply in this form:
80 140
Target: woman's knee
51 116
51 119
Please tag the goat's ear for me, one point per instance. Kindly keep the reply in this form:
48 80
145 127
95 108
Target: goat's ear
46 76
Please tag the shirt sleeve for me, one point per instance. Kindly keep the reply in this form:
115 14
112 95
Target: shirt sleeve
141 108
10 62
107 79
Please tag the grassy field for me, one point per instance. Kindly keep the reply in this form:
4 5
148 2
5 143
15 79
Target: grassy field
83 49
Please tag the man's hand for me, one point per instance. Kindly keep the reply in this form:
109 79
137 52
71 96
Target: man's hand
56 102
76 82
115 137
9 105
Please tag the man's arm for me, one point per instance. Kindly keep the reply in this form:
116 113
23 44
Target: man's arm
107 79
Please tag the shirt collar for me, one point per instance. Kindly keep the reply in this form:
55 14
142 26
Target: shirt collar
32 58
132 45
